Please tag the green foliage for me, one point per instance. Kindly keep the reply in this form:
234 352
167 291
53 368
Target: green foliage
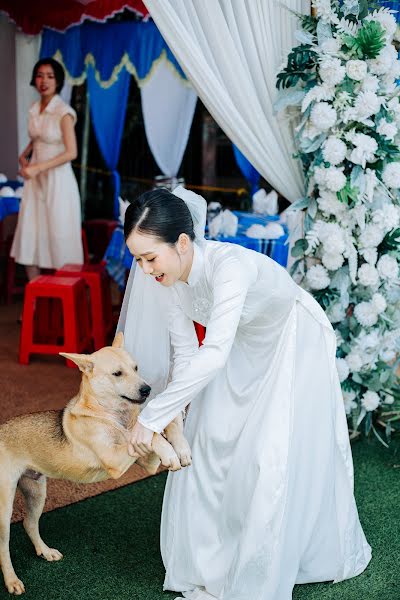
348 195
309 23
299 248
301 63
390 243
326 297
369 41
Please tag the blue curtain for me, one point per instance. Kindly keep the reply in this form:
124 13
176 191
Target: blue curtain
108 109
105 44
247 169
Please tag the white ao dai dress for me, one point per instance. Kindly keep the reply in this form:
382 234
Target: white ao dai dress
48 232
268 501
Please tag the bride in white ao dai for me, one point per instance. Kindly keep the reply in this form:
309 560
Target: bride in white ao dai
268 501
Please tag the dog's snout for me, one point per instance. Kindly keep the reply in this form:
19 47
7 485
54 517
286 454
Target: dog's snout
145 390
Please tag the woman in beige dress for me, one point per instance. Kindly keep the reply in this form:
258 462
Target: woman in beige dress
48 232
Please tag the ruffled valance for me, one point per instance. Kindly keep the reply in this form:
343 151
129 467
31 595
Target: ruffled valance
108 48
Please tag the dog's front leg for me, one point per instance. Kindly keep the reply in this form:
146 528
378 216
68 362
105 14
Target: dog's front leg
166 452
7 492
174 434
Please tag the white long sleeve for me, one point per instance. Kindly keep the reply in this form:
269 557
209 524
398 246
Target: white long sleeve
195 367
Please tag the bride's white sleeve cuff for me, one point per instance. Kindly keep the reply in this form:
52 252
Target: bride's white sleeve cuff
148 425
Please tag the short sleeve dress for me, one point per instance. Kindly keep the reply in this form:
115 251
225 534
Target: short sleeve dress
48 232
268 501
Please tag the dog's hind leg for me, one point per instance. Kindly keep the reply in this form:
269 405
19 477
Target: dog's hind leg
33 489
7 493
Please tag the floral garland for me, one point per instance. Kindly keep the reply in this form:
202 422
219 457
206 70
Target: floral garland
347 110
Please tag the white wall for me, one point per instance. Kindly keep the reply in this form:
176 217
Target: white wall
26 54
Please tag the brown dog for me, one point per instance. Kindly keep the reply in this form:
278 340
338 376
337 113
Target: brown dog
85 442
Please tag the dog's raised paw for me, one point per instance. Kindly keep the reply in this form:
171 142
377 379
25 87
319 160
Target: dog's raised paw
15 586
185 459
50 554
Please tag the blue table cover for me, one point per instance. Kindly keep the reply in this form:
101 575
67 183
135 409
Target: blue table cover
118 258
9 205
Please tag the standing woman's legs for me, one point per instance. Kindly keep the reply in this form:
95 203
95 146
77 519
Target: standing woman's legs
32 271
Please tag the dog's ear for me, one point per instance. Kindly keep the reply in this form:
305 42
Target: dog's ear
83 361
118 341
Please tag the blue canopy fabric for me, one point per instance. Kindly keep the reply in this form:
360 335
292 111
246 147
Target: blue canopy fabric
108 109
247 169
108 47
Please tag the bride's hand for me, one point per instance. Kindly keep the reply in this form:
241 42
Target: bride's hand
140 442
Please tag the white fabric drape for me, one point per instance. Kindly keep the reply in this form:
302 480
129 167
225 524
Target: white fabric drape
231 51
168 104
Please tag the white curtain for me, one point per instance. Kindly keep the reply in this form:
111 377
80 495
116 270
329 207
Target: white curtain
26 54
231 50
168 104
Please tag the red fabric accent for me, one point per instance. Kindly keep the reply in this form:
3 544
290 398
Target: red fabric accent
31 17
200 332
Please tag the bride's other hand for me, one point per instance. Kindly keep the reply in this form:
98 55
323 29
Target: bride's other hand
140 442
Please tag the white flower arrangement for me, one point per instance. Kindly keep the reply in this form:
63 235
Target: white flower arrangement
318 278
391 175
323 116
356 69
334 150
348 136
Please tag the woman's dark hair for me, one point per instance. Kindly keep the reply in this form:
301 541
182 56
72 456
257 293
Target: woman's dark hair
161 214
57 68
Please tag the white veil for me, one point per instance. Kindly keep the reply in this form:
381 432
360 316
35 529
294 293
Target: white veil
144 312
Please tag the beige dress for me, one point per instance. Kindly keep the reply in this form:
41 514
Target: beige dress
48 233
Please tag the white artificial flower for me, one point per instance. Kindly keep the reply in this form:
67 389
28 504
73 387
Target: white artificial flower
356 69
370 255
342 369
332 237
370 83
379 302
383 62
387 217
388 130
394 106
330 46
317 277
329 204
354 361
370 401
391 175
366 314
334 150
349 404
332 262
335 179
387 21
371 236
323 116
388 267
367 104
365 148
336 313
331 71
324 10
317 94
368 275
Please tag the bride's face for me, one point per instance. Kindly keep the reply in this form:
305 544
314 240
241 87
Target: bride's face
166 263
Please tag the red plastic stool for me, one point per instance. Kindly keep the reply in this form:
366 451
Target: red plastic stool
97 280
99 232
71 292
